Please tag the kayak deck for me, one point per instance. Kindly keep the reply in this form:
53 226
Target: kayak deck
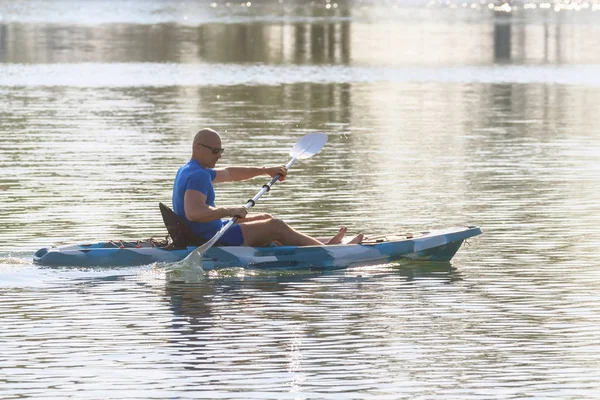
437 245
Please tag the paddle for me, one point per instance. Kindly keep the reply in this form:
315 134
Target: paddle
306 147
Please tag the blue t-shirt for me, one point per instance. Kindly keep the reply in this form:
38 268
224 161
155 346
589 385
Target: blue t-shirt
192 176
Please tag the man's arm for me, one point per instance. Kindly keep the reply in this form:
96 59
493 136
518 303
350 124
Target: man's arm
235 174
196 209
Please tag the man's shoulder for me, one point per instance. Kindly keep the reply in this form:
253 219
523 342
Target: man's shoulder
195 167
196 171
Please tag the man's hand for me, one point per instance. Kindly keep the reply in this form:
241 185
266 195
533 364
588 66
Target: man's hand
281 169
239 212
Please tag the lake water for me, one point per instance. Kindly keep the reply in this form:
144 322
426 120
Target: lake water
438 115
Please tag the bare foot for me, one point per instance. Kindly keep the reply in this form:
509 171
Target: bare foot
357 239
337 239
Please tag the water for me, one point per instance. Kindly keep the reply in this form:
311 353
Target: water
437 116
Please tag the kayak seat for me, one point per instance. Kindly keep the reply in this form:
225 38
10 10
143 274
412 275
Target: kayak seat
179 230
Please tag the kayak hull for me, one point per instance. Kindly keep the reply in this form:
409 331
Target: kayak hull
436 245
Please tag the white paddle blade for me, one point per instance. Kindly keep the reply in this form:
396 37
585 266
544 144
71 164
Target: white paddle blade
309 145
194 259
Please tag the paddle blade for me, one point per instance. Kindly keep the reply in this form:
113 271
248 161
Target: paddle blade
309 145
194 259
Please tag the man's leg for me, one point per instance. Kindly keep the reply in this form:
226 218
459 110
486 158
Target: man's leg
263 232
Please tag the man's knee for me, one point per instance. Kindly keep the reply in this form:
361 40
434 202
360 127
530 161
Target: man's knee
278 225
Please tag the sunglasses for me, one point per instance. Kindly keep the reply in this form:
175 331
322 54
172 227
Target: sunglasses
215 150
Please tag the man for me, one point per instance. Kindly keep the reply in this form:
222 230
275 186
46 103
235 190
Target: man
194 200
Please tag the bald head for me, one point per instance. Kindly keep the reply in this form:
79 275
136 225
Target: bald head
206 148
207 136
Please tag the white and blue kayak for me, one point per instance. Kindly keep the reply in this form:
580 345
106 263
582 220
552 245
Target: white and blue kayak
436 245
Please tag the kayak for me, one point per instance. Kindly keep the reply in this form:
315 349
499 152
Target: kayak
435 245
